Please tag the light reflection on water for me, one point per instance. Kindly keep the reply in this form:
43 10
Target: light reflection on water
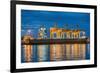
35 56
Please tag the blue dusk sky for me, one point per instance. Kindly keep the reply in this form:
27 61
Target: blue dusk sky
33 19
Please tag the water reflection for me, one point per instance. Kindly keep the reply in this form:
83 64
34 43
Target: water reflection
57 52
